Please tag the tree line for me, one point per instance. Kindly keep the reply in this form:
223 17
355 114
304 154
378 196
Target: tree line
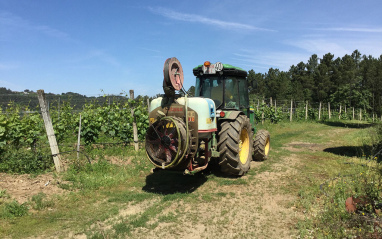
353 81
28 99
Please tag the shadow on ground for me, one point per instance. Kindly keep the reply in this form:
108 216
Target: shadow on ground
170 182
350 151
347 124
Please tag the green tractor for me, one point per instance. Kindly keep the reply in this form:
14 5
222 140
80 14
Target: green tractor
216 125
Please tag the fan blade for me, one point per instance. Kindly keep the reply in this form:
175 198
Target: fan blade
168 155
173 148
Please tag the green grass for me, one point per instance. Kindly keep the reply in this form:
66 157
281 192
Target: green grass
13 209
337 172
40 201
98 194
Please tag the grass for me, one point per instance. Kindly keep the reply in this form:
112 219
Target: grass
329 176
40 202
126 200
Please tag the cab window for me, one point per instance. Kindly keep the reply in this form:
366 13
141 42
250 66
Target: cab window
231 94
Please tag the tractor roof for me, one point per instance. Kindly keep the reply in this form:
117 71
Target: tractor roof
227 70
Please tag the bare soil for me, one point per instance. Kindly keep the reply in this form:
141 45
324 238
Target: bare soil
260 209
23 187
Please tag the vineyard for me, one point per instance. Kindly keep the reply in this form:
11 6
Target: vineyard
106 168
24 145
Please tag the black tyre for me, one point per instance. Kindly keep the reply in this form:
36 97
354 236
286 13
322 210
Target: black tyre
235 141
261 145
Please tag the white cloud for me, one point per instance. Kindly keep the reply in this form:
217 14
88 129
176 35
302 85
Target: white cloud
320 46
267 59
204 20
339 46
9 23
350 29
97 54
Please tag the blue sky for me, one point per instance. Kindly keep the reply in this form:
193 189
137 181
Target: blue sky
96 47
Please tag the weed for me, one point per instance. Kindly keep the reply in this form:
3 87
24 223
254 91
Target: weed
175 196
235 181
130 197
170 217
13 209
93 176
122 228
39 202
221 194
15 160
4 194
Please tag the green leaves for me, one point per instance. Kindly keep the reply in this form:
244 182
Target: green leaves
23 135
114 121
266 112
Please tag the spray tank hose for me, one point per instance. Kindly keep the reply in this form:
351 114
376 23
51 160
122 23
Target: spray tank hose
177 160
187 132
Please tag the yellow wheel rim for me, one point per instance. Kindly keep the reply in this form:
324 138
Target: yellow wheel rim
267 146
244 146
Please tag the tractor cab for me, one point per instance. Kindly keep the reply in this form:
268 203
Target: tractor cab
226 85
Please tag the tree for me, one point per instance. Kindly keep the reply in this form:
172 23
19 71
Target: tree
256 84
323 81
191 91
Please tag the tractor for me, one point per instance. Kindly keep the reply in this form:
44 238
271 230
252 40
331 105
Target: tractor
216 126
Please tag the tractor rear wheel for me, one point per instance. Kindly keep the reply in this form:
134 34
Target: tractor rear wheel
235 146
261 145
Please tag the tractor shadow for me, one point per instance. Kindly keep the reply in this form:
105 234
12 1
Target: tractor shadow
170 182
350 151
347 124
364 152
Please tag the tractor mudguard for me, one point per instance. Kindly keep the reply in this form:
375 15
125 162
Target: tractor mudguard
232 115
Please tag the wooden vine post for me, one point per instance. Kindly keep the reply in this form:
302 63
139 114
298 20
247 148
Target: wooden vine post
79 139
306 110
148 105
330 115
258 102
319 112
353 113
50 131
262 114
339 115
135 131
291 110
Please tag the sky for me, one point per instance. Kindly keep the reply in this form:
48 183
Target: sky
110 47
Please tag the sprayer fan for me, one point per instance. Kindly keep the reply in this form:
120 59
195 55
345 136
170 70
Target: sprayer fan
173 73
165 141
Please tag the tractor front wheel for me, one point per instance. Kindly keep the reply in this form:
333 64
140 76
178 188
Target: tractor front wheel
235 146
261 145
